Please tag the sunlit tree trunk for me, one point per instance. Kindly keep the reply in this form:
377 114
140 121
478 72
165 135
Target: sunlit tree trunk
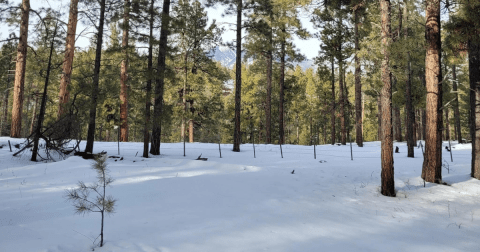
333 102
18 88
432 163
474 74
358 87
148 102
387 174
65 80
456 111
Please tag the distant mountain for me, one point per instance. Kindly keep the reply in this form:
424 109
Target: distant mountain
227 56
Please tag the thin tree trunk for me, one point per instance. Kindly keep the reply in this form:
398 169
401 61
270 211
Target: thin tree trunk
41 114
96 78
432 163
160 80
456 111
148 103
398 124
64 95
358 87
282 91
238 78
342 103
16 128
333 102
34 113
124 75
474 74
190 131
410 122
268 107
447 126
387 174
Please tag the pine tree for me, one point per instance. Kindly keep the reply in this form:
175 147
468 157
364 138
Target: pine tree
69 56
16 127
124 74
432 164
387 174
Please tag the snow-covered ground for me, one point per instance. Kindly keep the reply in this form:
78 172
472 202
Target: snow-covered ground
241 203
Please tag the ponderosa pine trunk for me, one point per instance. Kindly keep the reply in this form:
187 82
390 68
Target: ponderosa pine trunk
96 79
148 103
238 78
432 163
333 102
474 74
387 174
124 75
63 95
160 80
358 87
379 117
17 107
456 111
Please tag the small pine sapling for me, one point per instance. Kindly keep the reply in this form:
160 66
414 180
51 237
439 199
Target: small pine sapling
100 202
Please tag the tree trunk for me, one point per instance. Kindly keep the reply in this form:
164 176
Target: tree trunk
333 102
387 174
282 91
34 113
456 111
358 87
268 107
447 126
342 103
190 131
96 78
474 74
432 163
160 80
398 124
238 78
3 126
379 117
148 103
17 108
41 115
124 75
64 95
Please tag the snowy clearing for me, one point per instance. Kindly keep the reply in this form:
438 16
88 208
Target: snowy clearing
241 203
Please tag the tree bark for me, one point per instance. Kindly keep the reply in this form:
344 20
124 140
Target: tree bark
148 103
238 79
379 116
474 74
456 111
268 107
333 102
124 75
342 103
387 174
160 80
16 128
96 78
63 95
447 126
3 126
398 124
358 87
432 163
190 131
282 91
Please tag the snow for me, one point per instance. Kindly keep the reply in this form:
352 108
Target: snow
240 203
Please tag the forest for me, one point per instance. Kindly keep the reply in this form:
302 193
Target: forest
385 71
